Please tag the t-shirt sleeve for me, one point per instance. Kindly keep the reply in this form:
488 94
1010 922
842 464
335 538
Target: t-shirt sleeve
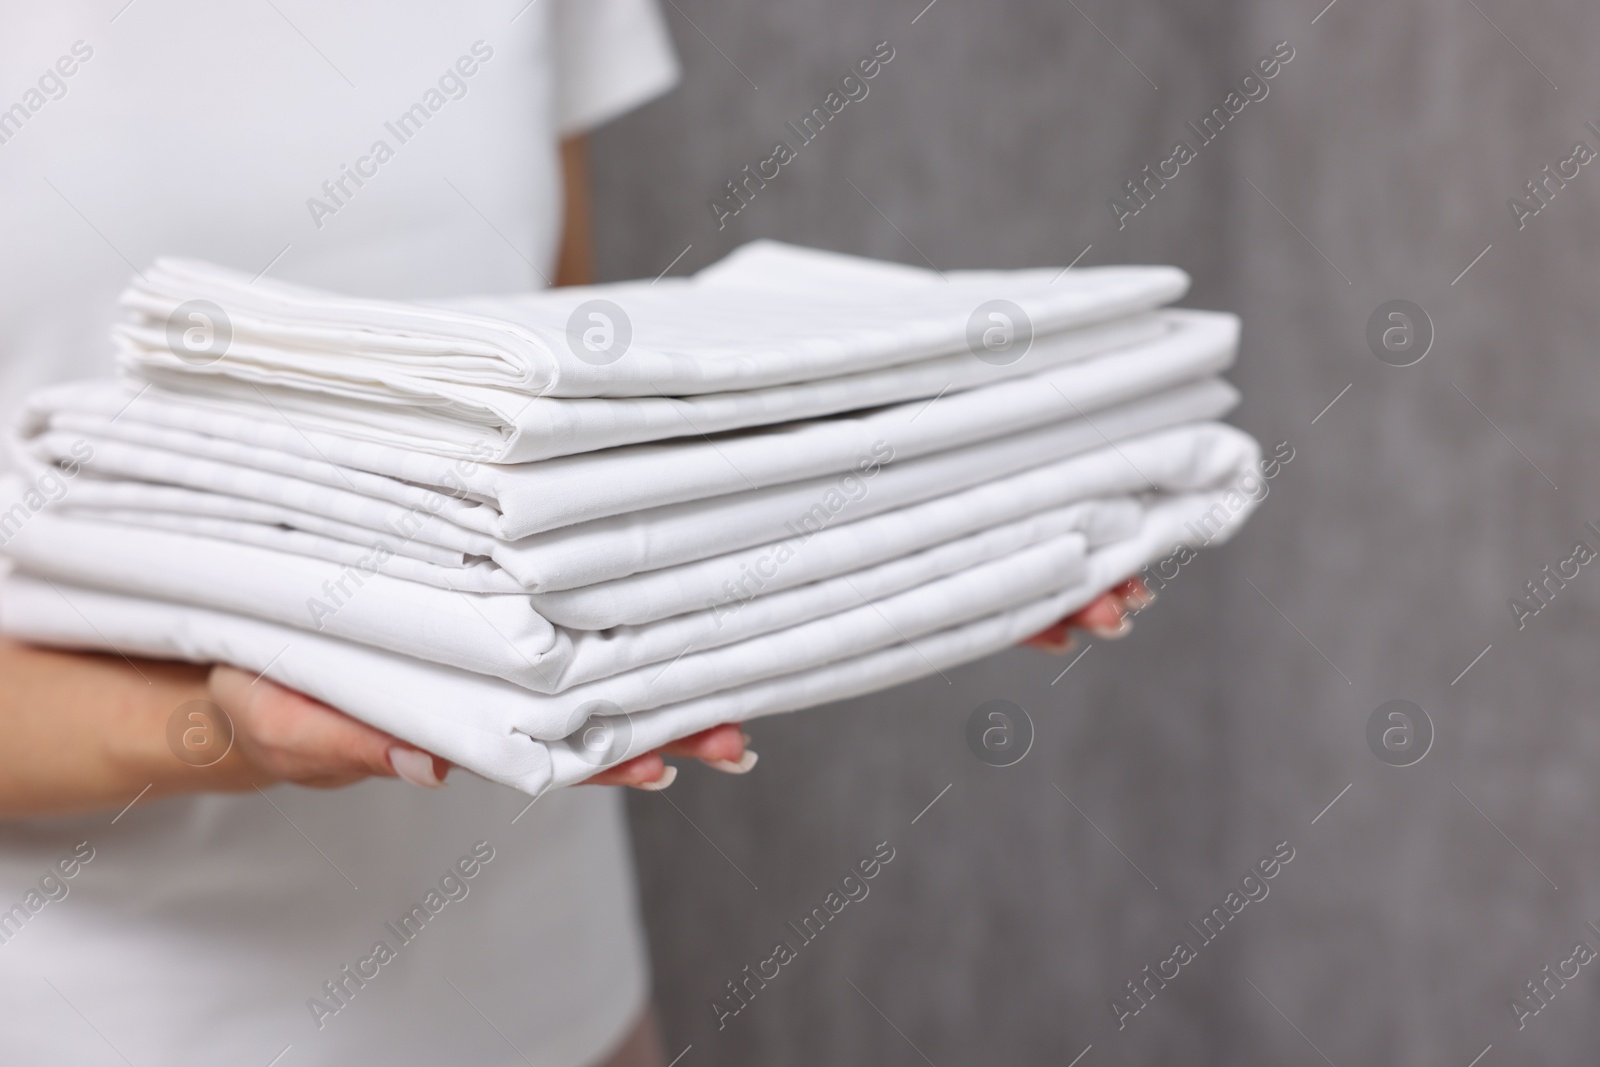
610 57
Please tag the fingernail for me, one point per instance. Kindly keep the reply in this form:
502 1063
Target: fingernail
746 738
742 766
1122 629
414 766
668 776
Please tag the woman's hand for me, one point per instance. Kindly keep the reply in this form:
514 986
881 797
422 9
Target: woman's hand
721 748
91 732
1106 616
282 736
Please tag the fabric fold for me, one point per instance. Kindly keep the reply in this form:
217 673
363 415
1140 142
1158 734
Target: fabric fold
503 426
686 336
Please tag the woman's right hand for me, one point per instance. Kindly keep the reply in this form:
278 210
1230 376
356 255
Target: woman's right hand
84 732
1107 616
282 736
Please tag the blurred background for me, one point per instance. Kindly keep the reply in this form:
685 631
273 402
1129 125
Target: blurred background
1420 501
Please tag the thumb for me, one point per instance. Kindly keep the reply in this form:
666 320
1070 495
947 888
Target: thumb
316 737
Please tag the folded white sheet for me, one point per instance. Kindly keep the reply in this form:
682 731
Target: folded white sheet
514 501
861 625
264 524
1198 458
768 315
519 429
615 547
1085 503
137 469
393 556
490 726
606 549
501 636
945 602
1195 457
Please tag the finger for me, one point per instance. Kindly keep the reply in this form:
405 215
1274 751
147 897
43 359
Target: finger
1136 596
418 767
641 771
1105 616
303 740
1101 617
312 736
722 748
1056 639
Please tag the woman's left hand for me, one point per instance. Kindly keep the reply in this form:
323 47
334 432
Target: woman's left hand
721 748
1106 616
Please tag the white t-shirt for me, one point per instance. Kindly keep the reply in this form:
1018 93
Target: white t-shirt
208 930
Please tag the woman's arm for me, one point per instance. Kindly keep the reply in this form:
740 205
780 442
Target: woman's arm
575 265
84 732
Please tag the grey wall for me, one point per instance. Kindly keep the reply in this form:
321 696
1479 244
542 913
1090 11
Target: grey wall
1381 565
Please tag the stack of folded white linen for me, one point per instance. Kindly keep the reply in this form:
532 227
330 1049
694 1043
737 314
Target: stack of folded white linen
540 534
